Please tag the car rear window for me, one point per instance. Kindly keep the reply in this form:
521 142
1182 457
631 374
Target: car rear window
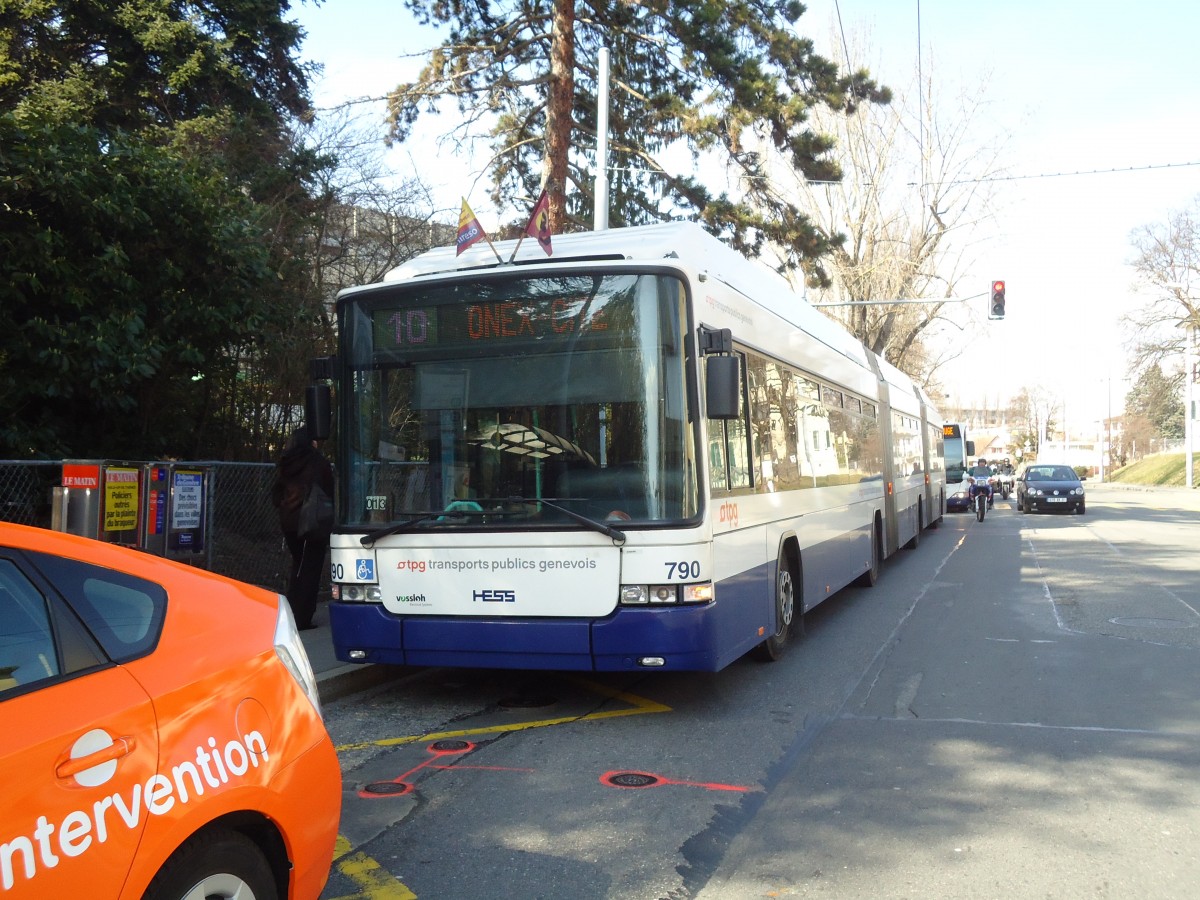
124 613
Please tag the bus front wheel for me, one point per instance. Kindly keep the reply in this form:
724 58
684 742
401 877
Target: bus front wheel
785 610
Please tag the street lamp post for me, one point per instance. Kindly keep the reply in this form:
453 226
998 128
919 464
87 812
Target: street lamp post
1108 449
1182 293
1189 367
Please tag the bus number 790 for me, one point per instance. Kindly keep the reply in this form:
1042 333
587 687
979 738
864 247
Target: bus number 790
683 569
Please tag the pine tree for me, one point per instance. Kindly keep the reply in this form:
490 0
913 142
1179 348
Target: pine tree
722 78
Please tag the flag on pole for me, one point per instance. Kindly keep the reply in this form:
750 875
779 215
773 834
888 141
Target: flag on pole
539 223
469 229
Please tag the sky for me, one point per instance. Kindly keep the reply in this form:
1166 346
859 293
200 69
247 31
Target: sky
1096 105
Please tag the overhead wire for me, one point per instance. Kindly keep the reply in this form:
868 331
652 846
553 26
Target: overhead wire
1112 171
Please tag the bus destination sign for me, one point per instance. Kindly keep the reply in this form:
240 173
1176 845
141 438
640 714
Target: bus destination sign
419 327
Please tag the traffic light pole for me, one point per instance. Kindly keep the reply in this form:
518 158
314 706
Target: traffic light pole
896 302
995 301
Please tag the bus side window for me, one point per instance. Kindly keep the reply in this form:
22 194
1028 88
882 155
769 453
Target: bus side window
729 445
717 464
739 452
737 431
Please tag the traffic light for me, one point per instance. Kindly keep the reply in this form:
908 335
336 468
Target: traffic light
996 310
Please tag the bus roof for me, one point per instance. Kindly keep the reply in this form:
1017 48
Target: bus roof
685 244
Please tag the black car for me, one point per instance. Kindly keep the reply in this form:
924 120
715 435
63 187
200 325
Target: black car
1050 487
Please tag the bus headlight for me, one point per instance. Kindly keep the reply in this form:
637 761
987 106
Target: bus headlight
664 593
635 594
660 594
357 593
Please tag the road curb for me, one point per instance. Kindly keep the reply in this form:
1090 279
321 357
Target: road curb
334 684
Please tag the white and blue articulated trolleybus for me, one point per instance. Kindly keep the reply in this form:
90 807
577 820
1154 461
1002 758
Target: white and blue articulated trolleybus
642 452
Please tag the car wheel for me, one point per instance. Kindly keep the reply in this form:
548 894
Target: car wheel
223 865
785 611
1021 505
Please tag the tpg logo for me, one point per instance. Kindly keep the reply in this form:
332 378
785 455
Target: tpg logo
489 596
728 513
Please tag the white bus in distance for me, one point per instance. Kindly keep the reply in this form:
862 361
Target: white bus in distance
643 452
958 454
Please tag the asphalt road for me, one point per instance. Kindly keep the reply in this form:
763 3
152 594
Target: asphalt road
1012 711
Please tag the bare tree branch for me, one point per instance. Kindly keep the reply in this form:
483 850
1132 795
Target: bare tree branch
896 248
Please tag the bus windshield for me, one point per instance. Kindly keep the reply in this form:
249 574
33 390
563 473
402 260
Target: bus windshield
956 459
471 400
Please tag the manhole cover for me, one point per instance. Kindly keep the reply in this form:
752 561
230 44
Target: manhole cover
632 780
1138 622
387 788
449 746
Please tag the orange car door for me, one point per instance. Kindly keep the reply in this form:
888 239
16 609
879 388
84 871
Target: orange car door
75 760
78 752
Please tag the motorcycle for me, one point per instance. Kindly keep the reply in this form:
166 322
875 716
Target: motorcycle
981 494
1004 483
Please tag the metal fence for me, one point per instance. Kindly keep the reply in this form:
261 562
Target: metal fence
244 541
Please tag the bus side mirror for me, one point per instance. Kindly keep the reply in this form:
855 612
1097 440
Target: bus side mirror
318 411
970 448
721 382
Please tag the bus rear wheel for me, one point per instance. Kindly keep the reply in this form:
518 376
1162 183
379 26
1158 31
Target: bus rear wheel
871 576
916 538
785 611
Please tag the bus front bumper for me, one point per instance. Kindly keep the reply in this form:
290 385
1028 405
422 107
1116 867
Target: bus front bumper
680 638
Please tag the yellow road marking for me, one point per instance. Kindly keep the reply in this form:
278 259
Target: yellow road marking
375 882
638 706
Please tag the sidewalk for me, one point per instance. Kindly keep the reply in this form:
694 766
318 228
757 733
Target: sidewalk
335 678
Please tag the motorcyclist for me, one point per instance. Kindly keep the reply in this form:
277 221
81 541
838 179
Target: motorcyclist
980 476
1004 477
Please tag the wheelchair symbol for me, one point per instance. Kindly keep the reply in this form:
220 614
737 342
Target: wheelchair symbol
365 570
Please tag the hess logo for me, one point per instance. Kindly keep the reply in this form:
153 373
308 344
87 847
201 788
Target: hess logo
494 596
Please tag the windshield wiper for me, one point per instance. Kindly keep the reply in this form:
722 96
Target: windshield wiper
618 536
372 536
447 516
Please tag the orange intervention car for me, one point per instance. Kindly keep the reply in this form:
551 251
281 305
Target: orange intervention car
160 733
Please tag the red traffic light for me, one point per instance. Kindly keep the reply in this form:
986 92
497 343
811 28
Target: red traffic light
996 310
